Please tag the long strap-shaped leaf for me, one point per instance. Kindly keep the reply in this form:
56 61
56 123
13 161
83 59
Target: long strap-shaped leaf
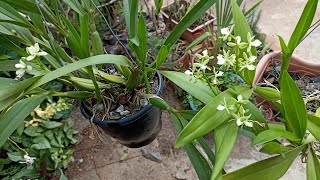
100 59
225 136
293 104
313 166
272 168
16 114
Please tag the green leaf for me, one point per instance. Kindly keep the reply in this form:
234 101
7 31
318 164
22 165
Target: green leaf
268 93
198 40
275 148
162 55
40 143
8 65
294 107
32 131
225 136
51 124
158 4
100 59
84 33
303 24
15 156
199 163
62 176
73 94
187 83
142 35
209 118
314 126
241 26
75 5
313 166
273 168
130 8
16 114
272 134
9 94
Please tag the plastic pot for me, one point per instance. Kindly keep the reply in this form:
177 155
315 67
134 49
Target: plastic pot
190 34
136 130
297 65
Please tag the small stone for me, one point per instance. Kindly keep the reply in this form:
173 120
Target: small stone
151 154
120 109
124 113
114 116
80 160
71 159
100 107
144 102
181 175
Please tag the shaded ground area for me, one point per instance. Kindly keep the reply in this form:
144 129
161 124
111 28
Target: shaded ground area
97 156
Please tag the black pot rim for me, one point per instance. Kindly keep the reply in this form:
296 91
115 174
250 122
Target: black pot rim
123 121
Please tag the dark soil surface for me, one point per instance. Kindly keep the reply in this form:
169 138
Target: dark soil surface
309 86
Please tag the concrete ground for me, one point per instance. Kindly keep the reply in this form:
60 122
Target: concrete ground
109 160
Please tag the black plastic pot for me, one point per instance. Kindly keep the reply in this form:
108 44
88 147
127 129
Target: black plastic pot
133 131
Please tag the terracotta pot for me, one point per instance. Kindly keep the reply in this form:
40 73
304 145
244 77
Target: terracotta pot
190 34
297 65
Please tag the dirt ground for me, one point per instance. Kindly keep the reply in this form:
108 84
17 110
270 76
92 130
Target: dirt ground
97 156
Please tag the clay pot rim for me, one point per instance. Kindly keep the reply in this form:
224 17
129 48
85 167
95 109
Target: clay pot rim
297 65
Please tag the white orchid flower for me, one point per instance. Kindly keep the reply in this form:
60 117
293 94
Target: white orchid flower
252 42
188 72
221 107
22 68
247 123
27 160
226 32
221 60
205 53
249 62
34 51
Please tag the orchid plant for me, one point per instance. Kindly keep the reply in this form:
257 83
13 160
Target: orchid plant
228 112
58 45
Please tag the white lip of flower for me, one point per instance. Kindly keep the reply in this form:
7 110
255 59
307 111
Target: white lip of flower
220 73
247 123
34 51
28 160
239 98
22 68
253 58
238 38
221 107
256 43
188 72
252 42
226 33
205 53
221 60
251 67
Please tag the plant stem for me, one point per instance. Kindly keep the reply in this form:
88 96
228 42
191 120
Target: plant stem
146 81
17 146
209 84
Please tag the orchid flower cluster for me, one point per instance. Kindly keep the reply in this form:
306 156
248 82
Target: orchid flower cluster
237 111
23 66
39 114
230 59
